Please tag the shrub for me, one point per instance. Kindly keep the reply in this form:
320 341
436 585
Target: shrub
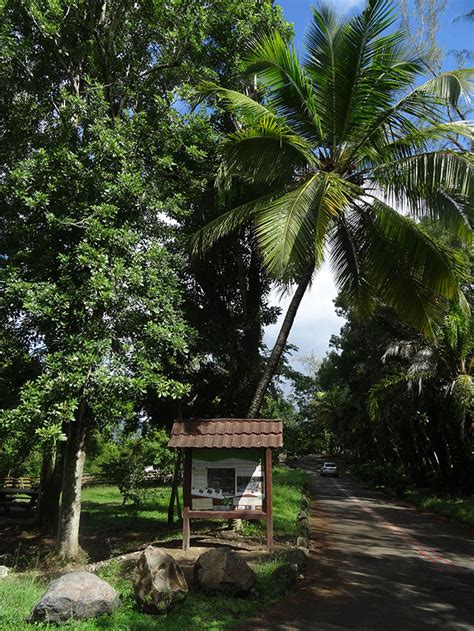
127 466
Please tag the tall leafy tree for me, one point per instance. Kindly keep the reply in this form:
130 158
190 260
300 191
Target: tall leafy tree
100 159
344 146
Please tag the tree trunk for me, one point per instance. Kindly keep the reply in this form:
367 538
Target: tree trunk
50 491
70 513
174 489
280 343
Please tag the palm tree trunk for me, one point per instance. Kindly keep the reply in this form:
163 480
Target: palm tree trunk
281 340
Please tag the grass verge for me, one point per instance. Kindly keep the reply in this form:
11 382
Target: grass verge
460 509
457 508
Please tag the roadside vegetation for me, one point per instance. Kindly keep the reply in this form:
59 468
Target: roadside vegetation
199 612
394 480
460 509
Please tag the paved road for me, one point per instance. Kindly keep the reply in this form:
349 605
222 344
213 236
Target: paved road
379 565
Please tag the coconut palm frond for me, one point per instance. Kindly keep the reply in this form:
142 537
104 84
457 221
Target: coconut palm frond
422 103
285 228
265 154
451 86
347 263
438 185
287 87
249 110
400 259
226 224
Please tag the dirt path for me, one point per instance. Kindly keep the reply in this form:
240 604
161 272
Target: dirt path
378 565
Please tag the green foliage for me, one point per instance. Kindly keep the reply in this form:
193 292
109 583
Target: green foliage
106 169
400 404
384 476
346 142
127 467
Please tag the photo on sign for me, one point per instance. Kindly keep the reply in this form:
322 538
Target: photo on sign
249 485
221 481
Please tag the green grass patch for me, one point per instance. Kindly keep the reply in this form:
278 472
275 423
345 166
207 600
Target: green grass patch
20 592
459 509
289 486
103 511
103 506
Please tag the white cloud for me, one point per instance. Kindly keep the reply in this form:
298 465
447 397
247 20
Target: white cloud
315 321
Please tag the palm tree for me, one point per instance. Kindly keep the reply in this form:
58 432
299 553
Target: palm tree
444 368
347 152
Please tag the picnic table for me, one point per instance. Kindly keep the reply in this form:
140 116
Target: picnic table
10 496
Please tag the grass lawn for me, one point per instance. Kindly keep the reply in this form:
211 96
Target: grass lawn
108 528
121 528
460 509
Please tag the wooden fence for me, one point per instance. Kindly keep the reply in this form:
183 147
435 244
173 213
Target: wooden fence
19 483
88 479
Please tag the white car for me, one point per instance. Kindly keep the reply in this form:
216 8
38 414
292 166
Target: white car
329 469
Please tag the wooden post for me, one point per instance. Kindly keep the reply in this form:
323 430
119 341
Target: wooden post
186 499
268 497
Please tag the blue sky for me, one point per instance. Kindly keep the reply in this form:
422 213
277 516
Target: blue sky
453 33
316 320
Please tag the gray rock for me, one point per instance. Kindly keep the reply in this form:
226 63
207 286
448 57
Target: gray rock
225 571
305 551
160 583
286 574
302 542
76 595
4 571
302 527
297 556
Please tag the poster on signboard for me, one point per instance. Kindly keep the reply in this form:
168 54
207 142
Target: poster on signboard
227 479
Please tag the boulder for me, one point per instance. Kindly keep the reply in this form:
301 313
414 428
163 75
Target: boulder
302 527
223 570
302 542
159 581
76 595
298 557
3 571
